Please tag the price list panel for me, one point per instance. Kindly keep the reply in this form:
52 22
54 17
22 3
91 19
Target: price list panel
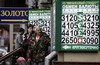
41 18
80 25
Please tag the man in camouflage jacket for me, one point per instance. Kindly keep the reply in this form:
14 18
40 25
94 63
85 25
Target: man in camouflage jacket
39 47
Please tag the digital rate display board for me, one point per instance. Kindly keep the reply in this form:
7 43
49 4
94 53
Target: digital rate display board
79 26
42 18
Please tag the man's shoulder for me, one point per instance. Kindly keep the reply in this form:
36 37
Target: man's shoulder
17 35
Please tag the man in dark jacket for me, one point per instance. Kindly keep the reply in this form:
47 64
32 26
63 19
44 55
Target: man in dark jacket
27 40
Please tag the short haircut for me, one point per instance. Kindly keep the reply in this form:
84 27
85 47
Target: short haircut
30 25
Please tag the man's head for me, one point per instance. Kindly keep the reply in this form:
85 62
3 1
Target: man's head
30 28
37 29
21 30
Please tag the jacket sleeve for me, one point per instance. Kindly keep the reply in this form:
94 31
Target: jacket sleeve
47 39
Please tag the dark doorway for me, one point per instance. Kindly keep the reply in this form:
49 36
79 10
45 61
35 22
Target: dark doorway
15 3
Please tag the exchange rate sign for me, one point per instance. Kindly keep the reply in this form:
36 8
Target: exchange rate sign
80 25
41 18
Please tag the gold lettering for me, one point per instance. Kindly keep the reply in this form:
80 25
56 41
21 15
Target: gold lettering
2 13
7 13
12 13
22 13
17 13
26 13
